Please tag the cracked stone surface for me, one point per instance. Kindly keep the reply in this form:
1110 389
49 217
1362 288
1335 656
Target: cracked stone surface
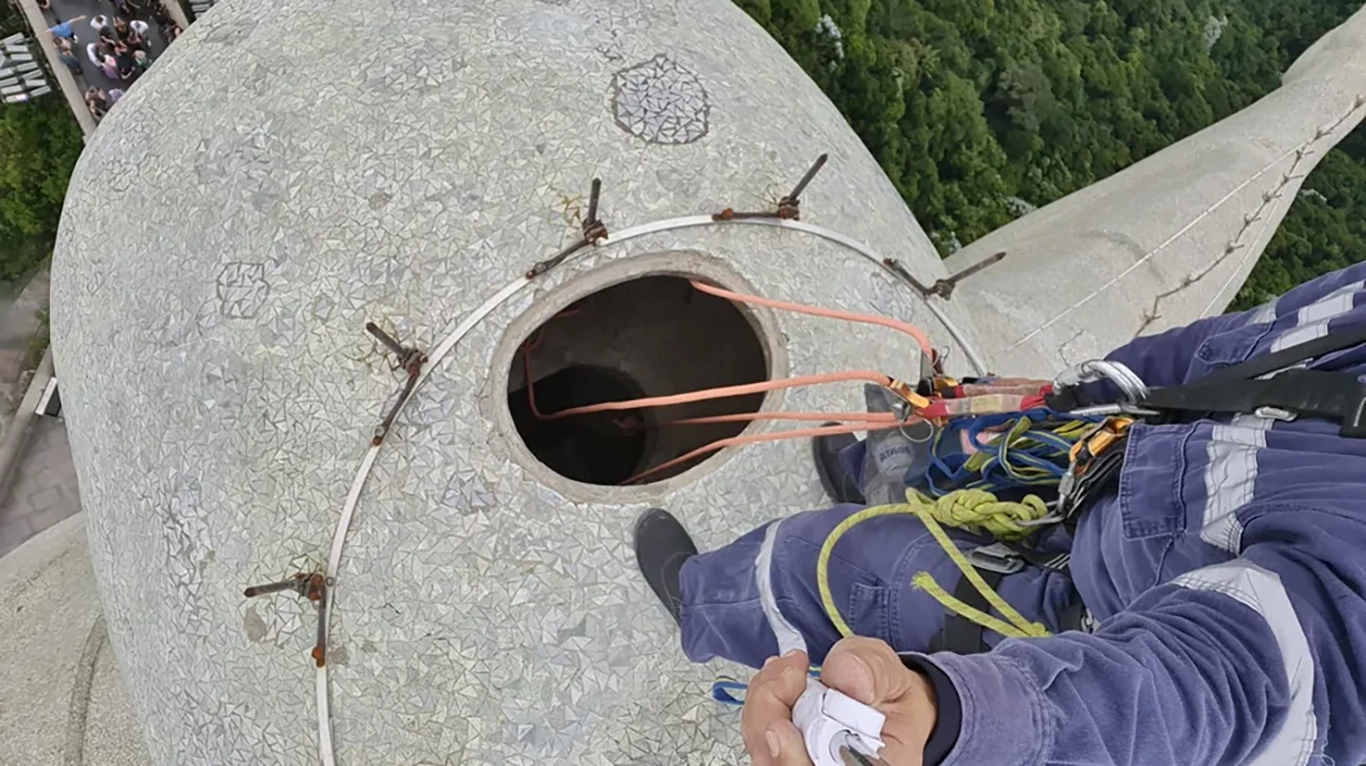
245 211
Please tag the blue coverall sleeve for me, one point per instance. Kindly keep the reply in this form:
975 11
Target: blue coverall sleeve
1258 660
1165 359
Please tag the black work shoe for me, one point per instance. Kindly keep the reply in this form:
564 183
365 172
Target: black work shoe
838 484
662 545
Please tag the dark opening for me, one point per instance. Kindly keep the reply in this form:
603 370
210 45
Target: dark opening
592 448
653 336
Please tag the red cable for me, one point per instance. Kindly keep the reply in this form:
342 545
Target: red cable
769 437
726 391
742 417
526 373
862 421
799 308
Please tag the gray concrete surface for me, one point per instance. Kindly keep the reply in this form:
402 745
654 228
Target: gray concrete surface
221 396
49 605
486 611
18 323
43 490
1169 239
113 733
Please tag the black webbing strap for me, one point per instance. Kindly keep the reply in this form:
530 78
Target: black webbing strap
1279 360
961 635
1337 396
1074 615
1074 397
1051 561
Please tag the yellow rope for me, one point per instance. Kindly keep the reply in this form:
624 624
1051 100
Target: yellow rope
973 510
979 512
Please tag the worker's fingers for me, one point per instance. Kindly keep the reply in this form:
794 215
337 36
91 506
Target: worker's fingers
869 671
785 739
768 704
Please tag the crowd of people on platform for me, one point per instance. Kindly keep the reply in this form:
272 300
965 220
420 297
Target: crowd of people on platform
120 46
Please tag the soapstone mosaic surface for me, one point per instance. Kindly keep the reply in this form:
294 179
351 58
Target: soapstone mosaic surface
241 216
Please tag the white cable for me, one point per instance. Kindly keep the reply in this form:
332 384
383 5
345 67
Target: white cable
1148 255
325 747
326 751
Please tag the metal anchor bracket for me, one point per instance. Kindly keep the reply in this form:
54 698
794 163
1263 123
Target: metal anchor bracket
789 207
942 287
311 586
594 231
409 359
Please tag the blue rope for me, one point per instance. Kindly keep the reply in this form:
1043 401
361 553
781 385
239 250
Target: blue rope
1041 463
721 690
722 687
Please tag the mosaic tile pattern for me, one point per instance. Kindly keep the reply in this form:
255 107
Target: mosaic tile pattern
220 389
242 288
660 101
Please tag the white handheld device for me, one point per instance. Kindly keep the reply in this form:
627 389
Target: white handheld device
830 720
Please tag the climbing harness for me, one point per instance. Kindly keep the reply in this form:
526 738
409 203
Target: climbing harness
1275 385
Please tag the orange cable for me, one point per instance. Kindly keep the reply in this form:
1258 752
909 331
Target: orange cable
736 441
526 373
742 417
727 391
848 316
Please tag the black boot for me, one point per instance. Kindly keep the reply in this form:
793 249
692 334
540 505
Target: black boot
662 545
838 484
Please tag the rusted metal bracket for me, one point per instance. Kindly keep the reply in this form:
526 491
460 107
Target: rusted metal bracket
789 207
312 586
593 232
944 287
408 359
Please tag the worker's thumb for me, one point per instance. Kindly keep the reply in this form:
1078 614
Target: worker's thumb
867 670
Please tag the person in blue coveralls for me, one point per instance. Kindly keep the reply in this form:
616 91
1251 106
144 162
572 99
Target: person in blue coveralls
1221 579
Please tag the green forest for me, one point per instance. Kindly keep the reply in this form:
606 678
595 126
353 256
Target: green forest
39 144
981 110
978 110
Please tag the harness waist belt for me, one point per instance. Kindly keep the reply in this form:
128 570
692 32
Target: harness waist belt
1335 396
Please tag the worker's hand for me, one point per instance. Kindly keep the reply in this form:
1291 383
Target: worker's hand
863 668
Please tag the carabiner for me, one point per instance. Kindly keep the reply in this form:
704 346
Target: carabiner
1131 387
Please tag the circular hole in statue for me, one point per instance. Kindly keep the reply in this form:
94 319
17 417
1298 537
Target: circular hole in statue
651 336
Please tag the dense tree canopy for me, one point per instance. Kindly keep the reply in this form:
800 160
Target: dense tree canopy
39 144
980 110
